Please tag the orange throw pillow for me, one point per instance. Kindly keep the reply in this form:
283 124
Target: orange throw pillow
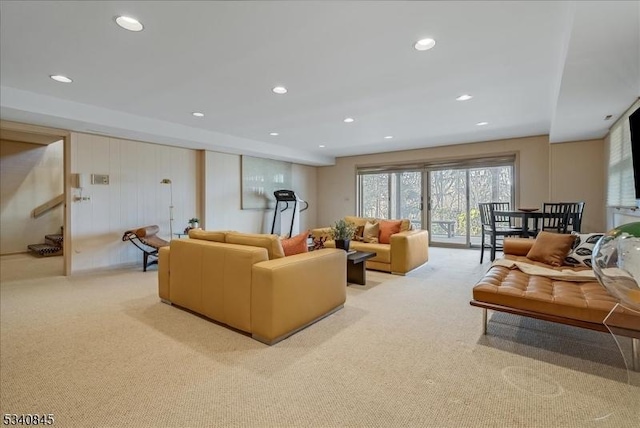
296 244
551 248
388 228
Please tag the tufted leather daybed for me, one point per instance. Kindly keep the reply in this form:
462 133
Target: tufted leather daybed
580 302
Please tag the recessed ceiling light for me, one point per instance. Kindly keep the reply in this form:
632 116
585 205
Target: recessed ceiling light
424 44
273 134
61 79
482 123
129 23
388 137
322 146
348 120
464 97
279 90
197 114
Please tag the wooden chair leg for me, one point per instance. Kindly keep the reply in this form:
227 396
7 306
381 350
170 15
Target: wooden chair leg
493 247
482 248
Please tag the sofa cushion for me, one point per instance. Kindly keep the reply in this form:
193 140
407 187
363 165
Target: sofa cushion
371 232
296 244
357 235
270 242
208 235
551 248
580 254
405 225
388 228
358 221
383 251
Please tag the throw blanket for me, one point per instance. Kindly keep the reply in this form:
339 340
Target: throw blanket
563 275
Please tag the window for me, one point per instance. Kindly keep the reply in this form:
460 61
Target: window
620 187
391 195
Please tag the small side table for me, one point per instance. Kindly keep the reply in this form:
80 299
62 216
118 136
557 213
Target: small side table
356 269
181 234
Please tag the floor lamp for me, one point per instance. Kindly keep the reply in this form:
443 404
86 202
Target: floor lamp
168 181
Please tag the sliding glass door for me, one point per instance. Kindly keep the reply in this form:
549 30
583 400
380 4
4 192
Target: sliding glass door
448 206
451 192
454 195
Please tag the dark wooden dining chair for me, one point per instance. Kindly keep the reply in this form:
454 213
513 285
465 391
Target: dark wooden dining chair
554 217
562 217
574 216
496 226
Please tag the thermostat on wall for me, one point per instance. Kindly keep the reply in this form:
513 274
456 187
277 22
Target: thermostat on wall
99 179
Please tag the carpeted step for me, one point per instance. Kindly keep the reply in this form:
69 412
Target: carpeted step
54 239
45 250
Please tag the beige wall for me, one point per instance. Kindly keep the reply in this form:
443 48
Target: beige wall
577 173
223 196
133 198
30 175
337 184
544 172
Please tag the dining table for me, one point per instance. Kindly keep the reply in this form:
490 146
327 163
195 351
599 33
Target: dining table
526 215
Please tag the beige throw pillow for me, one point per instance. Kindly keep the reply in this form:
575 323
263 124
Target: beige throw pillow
551 248
370 233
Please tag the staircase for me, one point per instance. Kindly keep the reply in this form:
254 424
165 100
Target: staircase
52 246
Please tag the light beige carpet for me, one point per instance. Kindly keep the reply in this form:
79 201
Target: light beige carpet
101 351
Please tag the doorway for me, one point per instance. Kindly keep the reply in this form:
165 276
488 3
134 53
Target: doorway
34 210
453 197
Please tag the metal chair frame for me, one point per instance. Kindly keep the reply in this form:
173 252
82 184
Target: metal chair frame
149 244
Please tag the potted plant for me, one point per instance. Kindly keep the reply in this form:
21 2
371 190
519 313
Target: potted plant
193 223
342 233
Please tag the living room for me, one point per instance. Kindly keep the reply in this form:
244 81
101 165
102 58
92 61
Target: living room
367 365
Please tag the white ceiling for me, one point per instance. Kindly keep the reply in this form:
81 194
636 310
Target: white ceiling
534 68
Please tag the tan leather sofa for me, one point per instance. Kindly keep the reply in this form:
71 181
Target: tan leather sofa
406 251
582 304
244 281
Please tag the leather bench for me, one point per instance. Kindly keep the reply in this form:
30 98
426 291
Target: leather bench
581 304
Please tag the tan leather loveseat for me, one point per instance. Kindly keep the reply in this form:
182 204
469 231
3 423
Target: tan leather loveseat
406 251
552 297
244 281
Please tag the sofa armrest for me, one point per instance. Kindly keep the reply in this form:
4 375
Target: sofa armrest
409 250
321 232
290 293
517 246
163 273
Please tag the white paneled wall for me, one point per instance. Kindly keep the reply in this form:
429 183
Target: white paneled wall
133 198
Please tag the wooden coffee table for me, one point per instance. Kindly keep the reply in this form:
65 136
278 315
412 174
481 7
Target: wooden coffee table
356 270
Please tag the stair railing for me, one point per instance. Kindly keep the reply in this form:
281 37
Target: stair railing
47 206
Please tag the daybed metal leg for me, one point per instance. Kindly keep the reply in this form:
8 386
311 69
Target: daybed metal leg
484 320
635 353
